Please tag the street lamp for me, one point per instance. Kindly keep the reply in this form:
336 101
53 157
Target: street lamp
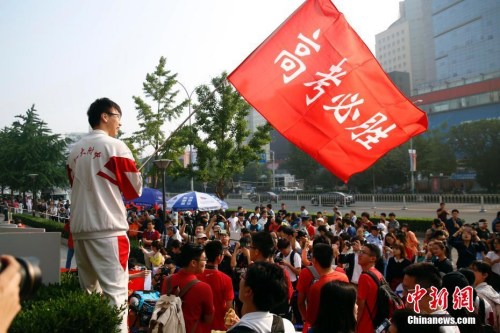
190 146
413 158
274 178
205 186
163 164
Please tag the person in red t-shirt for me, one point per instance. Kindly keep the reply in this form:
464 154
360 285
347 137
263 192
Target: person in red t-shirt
222 286
307 224
197 303
262 249
367 288
322 262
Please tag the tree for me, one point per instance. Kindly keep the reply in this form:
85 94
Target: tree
159 88
435 154
29 147
221 137
478 144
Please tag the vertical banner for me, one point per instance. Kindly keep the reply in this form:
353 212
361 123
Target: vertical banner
317 83
413 159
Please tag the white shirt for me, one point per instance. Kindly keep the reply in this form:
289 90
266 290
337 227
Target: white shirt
356 272
443 328
297 263
261 322
493 256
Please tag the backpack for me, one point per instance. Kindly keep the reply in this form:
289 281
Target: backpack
276 327
143 302
386 303
167 316
314 273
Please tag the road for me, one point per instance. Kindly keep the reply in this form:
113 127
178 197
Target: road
468 211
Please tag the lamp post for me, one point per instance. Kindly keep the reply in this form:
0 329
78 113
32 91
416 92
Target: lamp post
163 164
190 146
413 158
274 178
205 186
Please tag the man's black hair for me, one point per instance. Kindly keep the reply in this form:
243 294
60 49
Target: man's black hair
268 284
189 251
263 241
213 249
323 254
425 274
100 106
375 250
283 243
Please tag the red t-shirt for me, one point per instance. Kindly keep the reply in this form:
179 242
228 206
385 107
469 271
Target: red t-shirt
222 290
151 235
196 303
367 290
314 294
311 231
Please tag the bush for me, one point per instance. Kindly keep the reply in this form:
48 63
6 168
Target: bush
66 308
40 222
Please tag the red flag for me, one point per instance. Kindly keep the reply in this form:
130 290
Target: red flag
318 84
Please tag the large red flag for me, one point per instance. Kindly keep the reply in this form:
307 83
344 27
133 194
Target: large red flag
318 84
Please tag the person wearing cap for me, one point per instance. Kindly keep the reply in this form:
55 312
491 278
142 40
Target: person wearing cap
289 233
201 239
374 237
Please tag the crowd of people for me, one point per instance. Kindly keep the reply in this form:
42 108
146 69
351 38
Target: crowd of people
329 271
267 271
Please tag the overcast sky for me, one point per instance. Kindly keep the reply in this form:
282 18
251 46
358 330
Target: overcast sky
63 54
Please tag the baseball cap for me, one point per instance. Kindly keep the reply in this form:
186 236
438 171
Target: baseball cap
223 232
201 235
320 219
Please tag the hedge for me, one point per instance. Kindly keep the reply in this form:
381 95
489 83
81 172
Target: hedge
66 308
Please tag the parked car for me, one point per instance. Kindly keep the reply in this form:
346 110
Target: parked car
332 199
264 197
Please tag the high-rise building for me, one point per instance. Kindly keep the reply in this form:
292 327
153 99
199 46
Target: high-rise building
407 45
466 38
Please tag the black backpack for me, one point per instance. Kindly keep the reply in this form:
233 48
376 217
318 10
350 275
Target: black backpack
387 301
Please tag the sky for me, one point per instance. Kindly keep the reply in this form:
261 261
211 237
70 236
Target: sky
61 55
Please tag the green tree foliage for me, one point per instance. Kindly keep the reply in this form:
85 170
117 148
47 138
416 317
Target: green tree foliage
159 91
29 147
221 137
478 144
435 154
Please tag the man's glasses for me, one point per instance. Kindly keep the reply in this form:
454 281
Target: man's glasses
115 114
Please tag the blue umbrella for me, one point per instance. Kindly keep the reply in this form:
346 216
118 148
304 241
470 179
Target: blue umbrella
193 201
148 198
222 202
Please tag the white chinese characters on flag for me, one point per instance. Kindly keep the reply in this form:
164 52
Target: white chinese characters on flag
317 83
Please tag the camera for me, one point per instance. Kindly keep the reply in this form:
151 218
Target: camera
31 276
278 259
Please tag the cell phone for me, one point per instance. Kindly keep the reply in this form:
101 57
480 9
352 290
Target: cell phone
383 327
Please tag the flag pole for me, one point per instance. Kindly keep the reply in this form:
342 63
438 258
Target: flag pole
195 109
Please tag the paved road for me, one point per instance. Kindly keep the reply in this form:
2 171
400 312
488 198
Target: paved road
468 212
